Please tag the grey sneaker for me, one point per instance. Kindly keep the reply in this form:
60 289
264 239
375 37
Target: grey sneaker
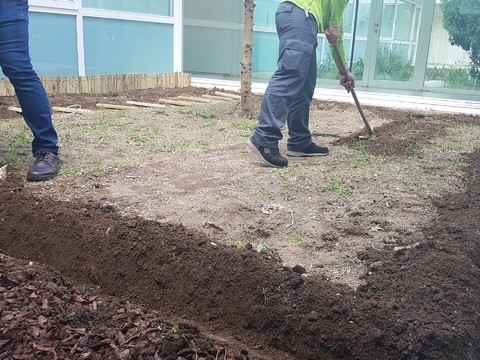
270 156
45 167
310 150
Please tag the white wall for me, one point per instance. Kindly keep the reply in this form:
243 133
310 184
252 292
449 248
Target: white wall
440 52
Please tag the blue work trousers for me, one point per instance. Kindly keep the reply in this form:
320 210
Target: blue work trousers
289 93
16 65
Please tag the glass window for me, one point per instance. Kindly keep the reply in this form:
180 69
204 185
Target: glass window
265 52
417 24
358 63
127 47
264 13
53 44
388 19
348 18
154 7
213 36
223 11
363 19
212 50
448 67
404 21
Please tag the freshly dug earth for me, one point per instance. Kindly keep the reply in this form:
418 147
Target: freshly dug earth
137 262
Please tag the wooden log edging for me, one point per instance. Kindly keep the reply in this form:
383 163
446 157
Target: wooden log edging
101 84
72 110
144 104
116 107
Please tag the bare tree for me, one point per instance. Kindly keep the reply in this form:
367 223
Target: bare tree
246 82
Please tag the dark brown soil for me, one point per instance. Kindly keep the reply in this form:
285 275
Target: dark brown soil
159 288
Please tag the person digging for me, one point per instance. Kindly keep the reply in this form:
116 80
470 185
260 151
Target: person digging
290 90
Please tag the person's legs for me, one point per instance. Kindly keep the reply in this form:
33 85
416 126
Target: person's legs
300 140
298 36
16 65
298 117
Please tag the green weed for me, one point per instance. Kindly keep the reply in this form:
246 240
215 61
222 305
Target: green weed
338 187
69 169
10 157
300 238
245 126
462 166
263 247
21 138
399 136
242 243
362 148
264 191
96 170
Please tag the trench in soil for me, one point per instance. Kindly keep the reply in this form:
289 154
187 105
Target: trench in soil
418 303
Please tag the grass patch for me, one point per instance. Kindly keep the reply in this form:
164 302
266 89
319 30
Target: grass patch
399 136
99 143
338 187
68 170
297 174
300 238
242 243
245 126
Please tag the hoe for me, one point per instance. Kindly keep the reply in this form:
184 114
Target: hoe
367 125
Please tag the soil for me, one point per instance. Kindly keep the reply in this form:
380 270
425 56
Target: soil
163 260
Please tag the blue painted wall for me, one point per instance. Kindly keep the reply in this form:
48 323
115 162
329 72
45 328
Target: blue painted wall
53 44
127 47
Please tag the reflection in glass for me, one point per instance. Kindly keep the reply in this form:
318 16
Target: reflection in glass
398 38
447 66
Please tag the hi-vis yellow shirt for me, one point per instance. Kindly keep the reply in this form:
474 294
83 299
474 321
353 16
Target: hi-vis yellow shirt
327 13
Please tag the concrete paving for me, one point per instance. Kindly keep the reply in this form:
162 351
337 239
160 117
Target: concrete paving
391 100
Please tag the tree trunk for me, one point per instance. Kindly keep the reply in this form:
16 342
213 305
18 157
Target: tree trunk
246 82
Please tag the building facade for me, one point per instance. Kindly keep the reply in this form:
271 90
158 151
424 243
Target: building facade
397 44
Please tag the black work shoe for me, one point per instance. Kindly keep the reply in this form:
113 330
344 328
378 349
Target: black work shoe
310 150
270 156
45 167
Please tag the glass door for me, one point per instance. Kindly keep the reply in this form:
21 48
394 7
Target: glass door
397 49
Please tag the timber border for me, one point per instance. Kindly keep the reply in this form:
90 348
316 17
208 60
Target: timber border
101 84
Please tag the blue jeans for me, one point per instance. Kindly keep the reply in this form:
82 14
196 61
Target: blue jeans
16 65
290 90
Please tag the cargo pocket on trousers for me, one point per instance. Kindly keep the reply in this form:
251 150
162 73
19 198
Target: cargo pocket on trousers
284 7
295 57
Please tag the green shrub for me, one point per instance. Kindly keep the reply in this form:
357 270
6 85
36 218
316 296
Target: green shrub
392 64
357 69
452 77
461 19
327 69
